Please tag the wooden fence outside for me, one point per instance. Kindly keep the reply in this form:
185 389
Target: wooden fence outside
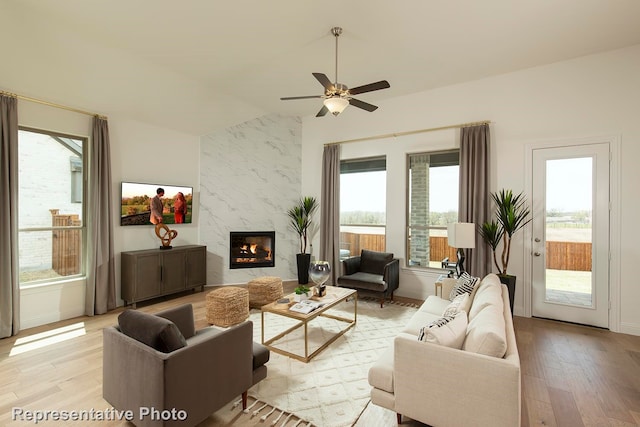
574 256
66 244
355 242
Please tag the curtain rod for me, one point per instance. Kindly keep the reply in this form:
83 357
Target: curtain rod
51 104
410 132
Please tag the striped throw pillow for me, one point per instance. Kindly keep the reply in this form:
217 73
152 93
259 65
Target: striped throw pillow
435 324
459 303
448 331
464 284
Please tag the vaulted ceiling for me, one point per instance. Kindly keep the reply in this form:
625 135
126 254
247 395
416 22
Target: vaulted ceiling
198 65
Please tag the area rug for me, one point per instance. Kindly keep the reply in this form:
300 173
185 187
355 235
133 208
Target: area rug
257 414
332 389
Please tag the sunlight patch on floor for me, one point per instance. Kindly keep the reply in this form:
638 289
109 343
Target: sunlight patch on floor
43 339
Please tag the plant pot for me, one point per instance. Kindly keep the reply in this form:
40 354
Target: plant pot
303 261
300 297
510 281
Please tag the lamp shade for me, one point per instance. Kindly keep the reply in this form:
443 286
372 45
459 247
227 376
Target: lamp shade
462 235
336 104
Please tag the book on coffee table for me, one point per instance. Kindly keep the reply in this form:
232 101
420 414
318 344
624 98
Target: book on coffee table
305 306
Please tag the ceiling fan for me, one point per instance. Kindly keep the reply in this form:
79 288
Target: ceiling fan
336 95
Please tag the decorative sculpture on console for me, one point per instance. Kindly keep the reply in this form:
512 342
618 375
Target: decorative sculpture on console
165 235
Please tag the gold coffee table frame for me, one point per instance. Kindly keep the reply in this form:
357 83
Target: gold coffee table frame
333 297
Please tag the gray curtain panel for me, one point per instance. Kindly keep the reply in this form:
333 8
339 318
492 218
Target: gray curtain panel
101 284
474 202
330 210
9 283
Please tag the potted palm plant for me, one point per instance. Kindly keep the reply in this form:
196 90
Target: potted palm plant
512 214
300 219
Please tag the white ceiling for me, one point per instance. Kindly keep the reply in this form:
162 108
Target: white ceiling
254 52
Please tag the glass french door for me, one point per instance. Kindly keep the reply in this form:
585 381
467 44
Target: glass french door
570 247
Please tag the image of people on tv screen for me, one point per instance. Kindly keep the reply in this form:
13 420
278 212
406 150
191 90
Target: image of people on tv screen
179 208
157 206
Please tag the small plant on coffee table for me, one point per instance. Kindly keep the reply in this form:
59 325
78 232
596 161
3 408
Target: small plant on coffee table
302 290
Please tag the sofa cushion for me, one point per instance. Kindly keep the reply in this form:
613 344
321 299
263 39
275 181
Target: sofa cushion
374 262
260 355
447 331
381 372
459 303
155 331
487 294
419 319
465 284
434 305
362 280
486 333
182 316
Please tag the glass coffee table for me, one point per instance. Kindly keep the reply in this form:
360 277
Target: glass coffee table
333 297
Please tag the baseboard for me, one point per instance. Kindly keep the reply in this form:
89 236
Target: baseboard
630 328
50 317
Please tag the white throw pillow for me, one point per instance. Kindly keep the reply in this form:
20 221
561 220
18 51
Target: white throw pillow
459 303
464 284
447 331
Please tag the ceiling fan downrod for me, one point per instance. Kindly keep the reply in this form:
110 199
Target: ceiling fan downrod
336 31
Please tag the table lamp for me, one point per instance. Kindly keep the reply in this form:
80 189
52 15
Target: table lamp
461 235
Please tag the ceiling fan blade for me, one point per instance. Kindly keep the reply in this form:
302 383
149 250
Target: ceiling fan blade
324 81
382 84
362 104
324 110
300 97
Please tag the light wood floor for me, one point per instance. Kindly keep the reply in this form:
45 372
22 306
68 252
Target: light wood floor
571 375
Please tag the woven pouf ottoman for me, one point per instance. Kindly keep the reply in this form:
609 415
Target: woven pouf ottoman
264 290
227 306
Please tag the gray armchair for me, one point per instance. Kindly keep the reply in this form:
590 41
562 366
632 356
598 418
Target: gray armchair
372 272
160 362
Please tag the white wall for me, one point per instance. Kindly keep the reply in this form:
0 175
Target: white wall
147 153
139 152
588 96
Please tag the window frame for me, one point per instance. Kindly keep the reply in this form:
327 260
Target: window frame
376 163
444 162
85 146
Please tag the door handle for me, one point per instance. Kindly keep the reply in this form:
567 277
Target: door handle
536 253
537 240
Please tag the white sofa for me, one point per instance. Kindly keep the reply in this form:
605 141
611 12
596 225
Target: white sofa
444 386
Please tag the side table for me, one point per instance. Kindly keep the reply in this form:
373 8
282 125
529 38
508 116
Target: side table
438 284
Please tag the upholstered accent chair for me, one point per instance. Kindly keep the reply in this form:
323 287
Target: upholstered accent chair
160 361
376 273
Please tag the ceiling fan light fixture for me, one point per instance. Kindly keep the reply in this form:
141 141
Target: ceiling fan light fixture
336 104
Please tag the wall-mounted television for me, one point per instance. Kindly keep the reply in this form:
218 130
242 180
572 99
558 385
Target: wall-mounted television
135 206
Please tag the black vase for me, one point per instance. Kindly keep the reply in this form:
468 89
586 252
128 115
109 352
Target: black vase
510 281
303 268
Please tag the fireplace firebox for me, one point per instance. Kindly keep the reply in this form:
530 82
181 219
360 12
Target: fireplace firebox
252 249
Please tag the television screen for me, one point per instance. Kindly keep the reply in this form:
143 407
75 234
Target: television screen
137 199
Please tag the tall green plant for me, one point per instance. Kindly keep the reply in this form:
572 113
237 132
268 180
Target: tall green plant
300 219
512 214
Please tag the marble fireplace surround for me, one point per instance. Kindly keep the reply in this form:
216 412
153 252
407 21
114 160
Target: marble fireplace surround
250 174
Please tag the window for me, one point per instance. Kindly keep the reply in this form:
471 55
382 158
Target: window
50 206
432 183
363 200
